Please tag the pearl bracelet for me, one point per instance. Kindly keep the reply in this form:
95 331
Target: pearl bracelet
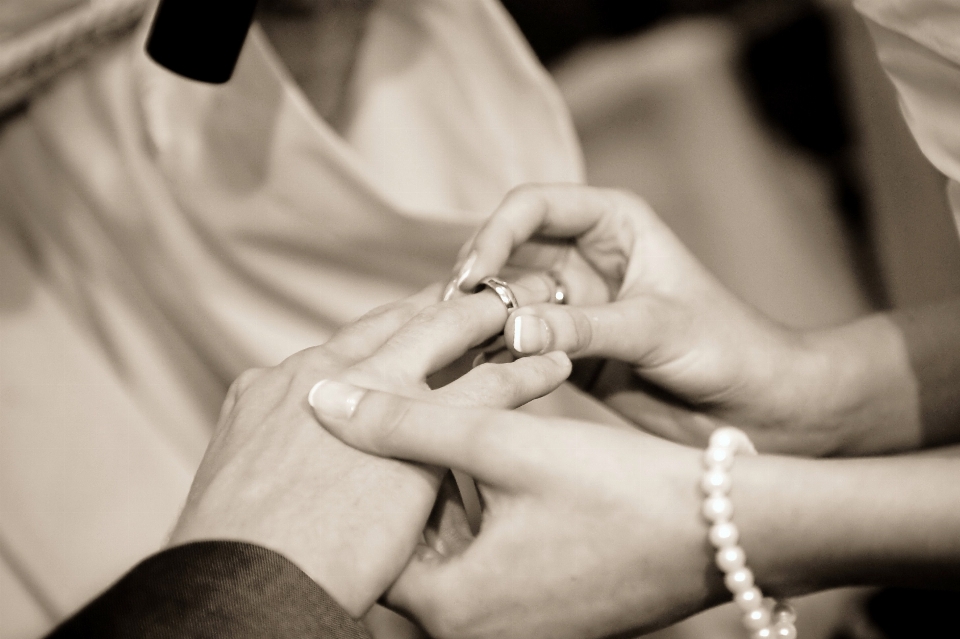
764 618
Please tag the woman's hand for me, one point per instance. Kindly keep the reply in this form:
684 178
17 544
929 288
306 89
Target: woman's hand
348 519
588 530
593 530
636 294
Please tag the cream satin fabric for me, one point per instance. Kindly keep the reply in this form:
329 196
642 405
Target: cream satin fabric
918 43
159 236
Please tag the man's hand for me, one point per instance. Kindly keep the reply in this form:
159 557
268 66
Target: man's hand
271 477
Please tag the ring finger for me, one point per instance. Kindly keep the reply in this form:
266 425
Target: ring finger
441 333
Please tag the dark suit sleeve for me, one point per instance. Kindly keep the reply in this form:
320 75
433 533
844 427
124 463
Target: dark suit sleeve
210 590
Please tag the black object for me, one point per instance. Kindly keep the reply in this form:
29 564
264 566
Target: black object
213 590
200 39
902 613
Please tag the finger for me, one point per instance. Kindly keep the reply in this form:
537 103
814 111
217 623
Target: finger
448 529
473 440
362 338
507 385
555 211
428 590
629 330
661 418
440 333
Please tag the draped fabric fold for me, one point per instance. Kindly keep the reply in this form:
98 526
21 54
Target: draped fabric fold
918 43
163 235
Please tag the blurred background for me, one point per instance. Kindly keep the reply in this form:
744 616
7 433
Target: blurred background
763 131
720 112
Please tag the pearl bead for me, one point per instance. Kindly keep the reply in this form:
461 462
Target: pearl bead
729 559
763 633
724 534
717 508
721 458
749 599
784 613
716 482
784 631
739 580
725 437
757 619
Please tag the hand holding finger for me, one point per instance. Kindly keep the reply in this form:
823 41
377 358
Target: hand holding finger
387 425
628 330
440 333
553 211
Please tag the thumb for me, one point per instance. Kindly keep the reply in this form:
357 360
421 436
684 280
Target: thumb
389 425
628 330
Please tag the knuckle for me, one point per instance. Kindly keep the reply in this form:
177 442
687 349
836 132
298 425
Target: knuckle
383 426
439 315
496 378
581 327
431 314
541 370
523 191
245 380
527 196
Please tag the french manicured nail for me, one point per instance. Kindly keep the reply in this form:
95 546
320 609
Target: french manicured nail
530 334
450 291
465 269
334 399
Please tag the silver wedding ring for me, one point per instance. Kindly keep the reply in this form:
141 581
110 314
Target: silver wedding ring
559 295
503 291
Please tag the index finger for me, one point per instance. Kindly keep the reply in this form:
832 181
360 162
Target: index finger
477 441
553 211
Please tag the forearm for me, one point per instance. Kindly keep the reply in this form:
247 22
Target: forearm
813 524
887 383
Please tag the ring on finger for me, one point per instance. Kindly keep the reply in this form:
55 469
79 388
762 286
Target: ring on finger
503 291
559 295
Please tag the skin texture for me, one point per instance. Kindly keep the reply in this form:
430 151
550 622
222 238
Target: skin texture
350 520
588 530
850 390
593 531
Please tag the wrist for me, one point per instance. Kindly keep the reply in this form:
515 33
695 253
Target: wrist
792 394
854 391
809 525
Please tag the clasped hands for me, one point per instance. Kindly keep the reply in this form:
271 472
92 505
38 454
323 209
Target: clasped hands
576 515
588 530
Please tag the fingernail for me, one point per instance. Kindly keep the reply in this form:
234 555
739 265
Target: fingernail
449 291
530 334
465 269
334 399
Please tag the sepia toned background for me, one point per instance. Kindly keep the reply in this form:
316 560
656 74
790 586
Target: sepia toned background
763 131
